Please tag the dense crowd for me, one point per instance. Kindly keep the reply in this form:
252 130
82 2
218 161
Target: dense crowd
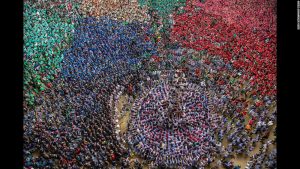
80 109
45 37
169 127
78 122
79 131
196 87
241 32
150 121
102 46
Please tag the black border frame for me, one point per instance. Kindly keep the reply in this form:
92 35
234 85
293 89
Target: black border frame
288 47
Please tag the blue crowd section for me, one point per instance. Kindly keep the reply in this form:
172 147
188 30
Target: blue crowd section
106 45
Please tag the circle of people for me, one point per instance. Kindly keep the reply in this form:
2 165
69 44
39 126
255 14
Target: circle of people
168 132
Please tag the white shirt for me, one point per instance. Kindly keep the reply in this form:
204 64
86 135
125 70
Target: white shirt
270 123
203 83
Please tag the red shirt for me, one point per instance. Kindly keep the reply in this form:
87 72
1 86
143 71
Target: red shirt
251 122
197 71
78 151
49 85
113 156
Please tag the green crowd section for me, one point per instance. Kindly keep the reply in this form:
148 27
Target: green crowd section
164 8
46 35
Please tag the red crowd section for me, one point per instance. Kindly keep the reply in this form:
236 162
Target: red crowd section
241 32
